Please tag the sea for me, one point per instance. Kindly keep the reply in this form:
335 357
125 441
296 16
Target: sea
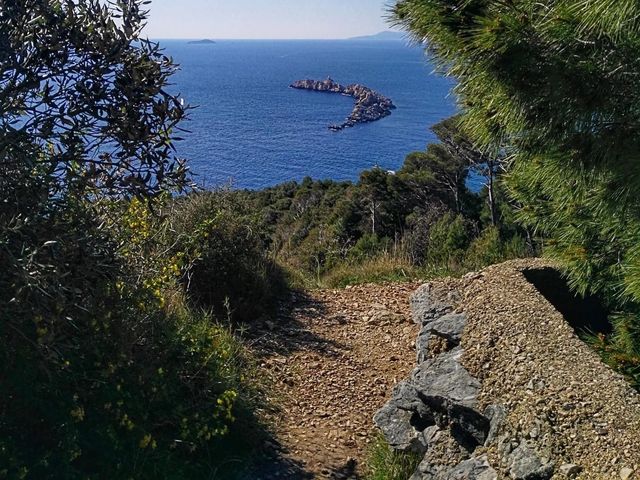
250 130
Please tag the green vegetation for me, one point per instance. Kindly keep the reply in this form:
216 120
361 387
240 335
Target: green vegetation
552 86
106 369
407 224
121 298
385 463
224 245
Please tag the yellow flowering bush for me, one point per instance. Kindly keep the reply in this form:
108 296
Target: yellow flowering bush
223 248
100 377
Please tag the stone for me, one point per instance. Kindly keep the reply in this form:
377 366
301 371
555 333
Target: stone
449 326
395 425
422 345
403 420
468 427
496 414
472 469
570 469
525 464
432 434
427 305
626 473
440 394
445 378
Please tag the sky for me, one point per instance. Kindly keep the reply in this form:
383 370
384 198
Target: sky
265 19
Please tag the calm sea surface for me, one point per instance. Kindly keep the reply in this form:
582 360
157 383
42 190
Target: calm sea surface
250 129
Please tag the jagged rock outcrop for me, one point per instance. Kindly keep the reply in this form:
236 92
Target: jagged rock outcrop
435 411
505 389
370 105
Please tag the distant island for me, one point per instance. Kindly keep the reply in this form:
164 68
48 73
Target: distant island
202 42
370 105
382 36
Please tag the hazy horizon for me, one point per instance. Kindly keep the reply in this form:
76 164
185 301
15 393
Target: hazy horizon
259 39
266 19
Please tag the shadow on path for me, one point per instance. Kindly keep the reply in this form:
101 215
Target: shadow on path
286 334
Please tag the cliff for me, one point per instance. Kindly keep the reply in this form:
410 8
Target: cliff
505 388
370 105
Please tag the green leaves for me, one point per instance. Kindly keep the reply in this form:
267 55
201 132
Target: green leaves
558 84
79 70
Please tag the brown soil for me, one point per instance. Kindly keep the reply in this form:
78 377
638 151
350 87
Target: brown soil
334 358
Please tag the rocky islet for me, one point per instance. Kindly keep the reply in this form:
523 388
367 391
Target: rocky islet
370 105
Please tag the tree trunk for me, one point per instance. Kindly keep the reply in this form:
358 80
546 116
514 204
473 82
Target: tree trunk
373 208
492 196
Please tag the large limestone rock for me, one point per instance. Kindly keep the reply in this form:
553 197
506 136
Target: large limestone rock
434 411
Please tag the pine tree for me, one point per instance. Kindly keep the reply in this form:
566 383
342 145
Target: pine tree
557 83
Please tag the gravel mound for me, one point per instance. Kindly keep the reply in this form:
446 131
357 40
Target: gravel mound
558 395
505 388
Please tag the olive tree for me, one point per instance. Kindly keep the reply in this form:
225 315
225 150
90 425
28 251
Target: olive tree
84 104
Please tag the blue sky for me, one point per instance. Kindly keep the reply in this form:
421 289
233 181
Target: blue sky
266 19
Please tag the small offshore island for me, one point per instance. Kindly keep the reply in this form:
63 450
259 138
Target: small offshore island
206 41
370 105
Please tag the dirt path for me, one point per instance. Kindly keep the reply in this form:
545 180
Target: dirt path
334 358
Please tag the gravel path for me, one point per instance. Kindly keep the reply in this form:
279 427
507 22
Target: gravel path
334 358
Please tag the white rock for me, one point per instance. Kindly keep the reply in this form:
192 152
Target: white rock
625 473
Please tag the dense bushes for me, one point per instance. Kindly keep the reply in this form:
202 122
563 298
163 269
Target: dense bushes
323 231
448 240
226 267
101 375
105 371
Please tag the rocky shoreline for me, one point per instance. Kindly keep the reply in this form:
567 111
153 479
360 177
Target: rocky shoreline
370 105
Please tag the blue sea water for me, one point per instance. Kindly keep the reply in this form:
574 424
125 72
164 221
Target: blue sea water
251 130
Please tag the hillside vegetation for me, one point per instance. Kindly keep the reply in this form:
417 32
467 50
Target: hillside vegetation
554 86
421 220
125 292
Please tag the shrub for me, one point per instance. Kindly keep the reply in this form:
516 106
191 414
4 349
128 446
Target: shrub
621 349
226 266
368 246
98 378
489 248
449 237
485 249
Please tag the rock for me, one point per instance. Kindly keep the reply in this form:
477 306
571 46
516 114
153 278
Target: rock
570 469
445 378
432 434
404 419
468 426
427 305
422 345
441 392
370 105
626 473
496 415
524 464
472 469
449 326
